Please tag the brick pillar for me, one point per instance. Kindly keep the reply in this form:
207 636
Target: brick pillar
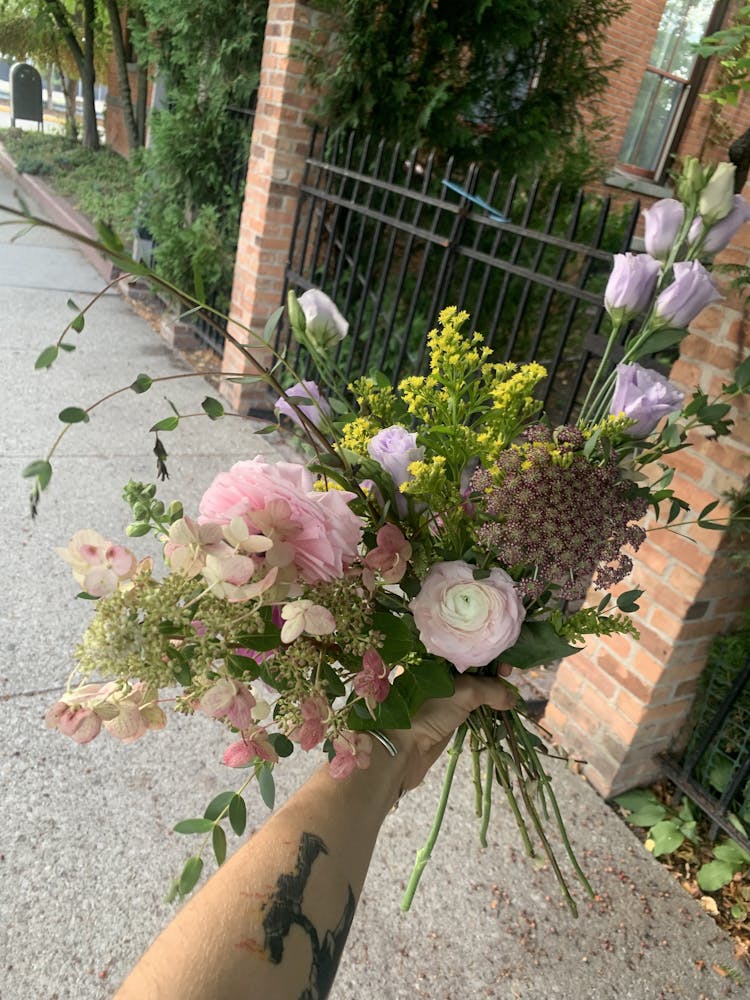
621 702
280 142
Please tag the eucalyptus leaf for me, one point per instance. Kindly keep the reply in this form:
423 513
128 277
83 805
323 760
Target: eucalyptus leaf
142 383
42 470
73 415
167 424
212 407
238 814
219 844
78 323
198 825
47 357
266 785
190 875
218 804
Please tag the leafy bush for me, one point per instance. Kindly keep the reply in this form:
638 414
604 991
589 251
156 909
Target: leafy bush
100 184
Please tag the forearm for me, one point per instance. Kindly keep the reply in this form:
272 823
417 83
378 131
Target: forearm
273 921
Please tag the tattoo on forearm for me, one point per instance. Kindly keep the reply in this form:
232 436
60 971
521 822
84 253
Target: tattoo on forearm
285 909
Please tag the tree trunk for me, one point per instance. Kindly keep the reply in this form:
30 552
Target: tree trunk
69 88
88 78
126 98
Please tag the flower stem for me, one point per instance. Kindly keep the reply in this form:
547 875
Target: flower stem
425 853
486 803
476 775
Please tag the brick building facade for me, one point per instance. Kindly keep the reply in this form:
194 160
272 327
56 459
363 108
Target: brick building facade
618 703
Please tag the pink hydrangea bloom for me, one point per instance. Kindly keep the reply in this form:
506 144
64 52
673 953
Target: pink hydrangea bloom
98 565
315 712
317 533
389 558
81 724
353 751
228 699
469 622
254 744
372 683
304 616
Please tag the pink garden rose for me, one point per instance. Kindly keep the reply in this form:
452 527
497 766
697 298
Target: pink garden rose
469 622
316 533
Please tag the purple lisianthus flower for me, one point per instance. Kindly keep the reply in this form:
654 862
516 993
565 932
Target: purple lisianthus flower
721 232
631 285
690 292
645 396
395 448
305 395
662 222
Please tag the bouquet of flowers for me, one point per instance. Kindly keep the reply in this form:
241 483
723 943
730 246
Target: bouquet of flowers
436 527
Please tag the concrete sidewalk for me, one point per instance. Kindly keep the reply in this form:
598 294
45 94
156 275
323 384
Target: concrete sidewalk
86 849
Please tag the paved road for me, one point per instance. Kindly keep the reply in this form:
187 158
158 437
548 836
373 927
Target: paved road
86 850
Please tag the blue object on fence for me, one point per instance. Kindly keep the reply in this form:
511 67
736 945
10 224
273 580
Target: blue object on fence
492 212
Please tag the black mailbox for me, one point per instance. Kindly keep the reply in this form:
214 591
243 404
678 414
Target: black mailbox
26 95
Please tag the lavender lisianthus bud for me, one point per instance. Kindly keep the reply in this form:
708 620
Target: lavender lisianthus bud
395 448
631 285
715 200
690 292
645 396
662 222
324 324
305 395
719 235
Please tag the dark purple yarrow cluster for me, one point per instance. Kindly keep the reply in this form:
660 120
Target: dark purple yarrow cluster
555 518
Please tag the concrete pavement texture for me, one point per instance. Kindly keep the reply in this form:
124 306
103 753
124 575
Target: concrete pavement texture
86 848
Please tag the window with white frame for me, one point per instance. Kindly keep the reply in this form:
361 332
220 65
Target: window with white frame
666 87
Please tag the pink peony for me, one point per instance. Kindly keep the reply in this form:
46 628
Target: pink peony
469 622
317 533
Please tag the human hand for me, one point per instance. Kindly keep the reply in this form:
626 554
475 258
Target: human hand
437 720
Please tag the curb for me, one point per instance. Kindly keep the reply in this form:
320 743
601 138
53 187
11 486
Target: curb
61 213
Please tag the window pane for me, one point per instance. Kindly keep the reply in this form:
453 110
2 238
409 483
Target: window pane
652 116
683 24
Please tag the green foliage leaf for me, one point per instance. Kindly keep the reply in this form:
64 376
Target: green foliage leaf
332 681
212 407
271 323
400 635
266 785
47 358
167 424
537 645
714 875
201 825
281 744
637 799
42 470
190 875
648 815
218 804
219 844
430 678
742 375
627 602
658 341
73 415
732 853
78 323
238 814
67 347
142 383
666 836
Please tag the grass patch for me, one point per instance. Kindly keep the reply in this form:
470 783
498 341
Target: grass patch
99 184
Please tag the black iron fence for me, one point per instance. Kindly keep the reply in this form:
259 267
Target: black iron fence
393 237
715 768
